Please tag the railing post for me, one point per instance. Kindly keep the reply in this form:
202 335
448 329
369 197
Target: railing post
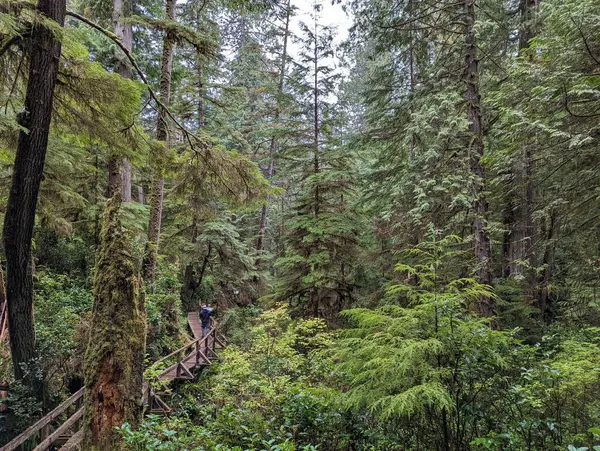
197 352
178 368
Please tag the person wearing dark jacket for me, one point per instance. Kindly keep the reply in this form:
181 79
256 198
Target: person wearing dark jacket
205 314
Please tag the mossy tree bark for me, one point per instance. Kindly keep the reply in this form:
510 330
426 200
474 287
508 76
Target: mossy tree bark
114 360
27 177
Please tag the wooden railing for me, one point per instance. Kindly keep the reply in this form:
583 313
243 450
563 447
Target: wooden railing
69 414
196 353
40 431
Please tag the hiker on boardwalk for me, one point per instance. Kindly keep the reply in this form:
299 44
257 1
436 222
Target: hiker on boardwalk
205 314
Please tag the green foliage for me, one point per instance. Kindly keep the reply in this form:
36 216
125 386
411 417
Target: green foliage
265 394
166 328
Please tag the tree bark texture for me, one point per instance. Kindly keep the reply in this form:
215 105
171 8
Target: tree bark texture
483 250
119 168
114 359
27 176
519 253
162 134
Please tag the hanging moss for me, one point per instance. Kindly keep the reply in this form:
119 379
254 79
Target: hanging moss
114 360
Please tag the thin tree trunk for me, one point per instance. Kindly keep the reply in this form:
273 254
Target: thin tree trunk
22 201
114 359
119 168
205 264
483 250
528 30
315 296
520 229
544 294
316 168
188 288
126 180
262 229
162 134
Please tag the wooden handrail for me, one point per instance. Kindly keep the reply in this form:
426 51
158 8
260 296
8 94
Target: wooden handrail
214 325
37 427
195 348
199 342
73 442
60 430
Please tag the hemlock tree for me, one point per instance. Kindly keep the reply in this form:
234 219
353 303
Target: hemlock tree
27 175
262 228
314 275
119 168
162 135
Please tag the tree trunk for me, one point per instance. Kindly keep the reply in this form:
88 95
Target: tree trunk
119 168
520 228
126 181
27 176
316 168
527 32
483 250
114 360
543 286
189 285
264 214
162 134
262 228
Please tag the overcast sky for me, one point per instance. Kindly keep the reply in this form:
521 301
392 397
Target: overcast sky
331 15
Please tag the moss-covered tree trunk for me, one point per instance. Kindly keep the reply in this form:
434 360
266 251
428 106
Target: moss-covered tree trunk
114 360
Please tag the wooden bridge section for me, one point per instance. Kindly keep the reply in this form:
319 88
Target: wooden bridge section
62 428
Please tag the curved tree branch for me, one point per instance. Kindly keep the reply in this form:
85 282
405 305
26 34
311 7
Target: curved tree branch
188 135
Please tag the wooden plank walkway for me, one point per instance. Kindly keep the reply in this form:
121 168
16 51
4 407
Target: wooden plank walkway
196 354
195 324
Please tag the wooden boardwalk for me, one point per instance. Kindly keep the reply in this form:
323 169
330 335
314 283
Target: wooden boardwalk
195 325
61 428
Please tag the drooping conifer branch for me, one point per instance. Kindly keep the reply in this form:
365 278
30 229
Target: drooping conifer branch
188 134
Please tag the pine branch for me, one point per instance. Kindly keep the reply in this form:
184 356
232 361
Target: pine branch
188 135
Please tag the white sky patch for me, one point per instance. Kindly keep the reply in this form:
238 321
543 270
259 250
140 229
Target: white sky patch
330 15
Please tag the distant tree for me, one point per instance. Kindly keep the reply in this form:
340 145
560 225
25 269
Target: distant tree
314 275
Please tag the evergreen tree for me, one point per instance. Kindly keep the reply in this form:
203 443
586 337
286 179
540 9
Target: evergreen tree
34 125
314 275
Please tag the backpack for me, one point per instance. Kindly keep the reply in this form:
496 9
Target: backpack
205 316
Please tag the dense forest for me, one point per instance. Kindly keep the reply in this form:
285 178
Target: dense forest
392 206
